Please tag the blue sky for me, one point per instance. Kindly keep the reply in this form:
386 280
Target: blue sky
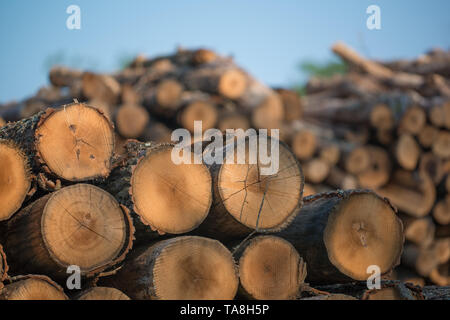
267 37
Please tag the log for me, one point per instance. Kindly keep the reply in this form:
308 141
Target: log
441 275
415 197
269 114
419 231
441 211
440 115
15 178
423 260
339 179
329 152
390 290
245 200
187 267
400 79
379 170
316 170
102 293
199 110
84 138
61 76
293 108
78 225
227 81
100 87
269 269
356 159
428 135
432 165
157 132
304 144
412 120
441 146
394 291
233 121
32 287
407 152
338 243
131 120
3 266
162 196
165 99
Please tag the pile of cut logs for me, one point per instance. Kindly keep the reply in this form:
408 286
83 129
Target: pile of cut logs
89 186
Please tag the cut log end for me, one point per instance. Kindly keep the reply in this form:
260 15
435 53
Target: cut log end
32 288
15 180
76 142
362 231
169 197
232 84
271 268
194 268
407 152
413 120
131 120
304 144
199 111
103 293
316 170
441 211
357 161
381 117
262 202
441 146
83 225
168 93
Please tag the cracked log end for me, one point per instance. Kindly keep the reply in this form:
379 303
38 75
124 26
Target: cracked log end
83 225
363 230
76 142
169 197
102 293
15 179
32 288
270 268
262 202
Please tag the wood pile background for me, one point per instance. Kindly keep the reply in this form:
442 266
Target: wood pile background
87 180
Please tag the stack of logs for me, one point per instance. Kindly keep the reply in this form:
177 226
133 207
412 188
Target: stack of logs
80 188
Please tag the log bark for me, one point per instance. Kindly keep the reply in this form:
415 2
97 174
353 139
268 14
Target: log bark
102 293
32 287
15 178
390 290
3 266
162 196
92 231
335 240
187 267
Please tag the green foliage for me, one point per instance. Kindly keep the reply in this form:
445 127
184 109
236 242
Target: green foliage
326 69
323 70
